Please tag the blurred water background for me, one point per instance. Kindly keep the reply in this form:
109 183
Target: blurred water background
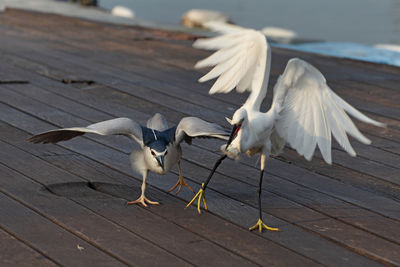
341 28
359 21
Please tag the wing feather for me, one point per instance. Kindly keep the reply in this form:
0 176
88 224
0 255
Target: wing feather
191 127
309 112
118 126
241 61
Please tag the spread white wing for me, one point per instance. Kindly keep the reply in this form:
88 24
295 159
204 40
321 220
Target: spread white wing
118 126
241 61
191 127
309 112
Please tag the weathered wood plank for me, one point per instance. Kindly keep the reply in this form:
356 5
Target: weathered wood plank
140 218
16 253
123 245
86 147
41 234
350 165
235 212
361 124
32 91
391 173
381 131
107 64
128 33
174 74
359 161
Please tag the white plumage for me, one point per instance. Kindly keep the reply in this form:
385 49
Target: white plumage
305 112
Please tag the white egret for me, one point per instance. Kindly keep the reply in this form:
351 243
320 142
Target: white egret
305 112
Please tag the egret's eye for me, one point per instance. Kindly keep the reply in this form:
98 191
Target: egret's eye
152 152
166 152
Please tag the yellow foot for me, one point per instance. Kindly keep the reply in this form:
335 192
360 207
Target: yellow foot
200 196
180 183
260 225
142 200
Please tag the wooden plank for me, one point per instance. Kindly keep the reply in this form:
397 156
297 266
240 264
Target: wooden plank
106 160
351 164
200 225
32 91
16 253
365 151
303 244
127 32
108 61
47 237
127 247
383 171
122 146
116 211
380 130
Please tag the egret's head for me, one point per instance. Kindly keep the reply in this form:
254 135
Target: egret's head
158 150
237 120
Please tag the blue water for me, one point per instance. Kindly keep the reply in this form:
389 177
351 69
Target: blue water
349 50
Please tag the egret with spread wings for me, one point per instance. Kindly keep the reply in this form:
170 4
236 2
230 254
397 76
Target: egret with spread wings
305 112
160 145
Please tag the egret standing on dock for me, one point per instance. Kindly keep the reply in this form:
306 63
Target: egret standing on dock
160 145
305 112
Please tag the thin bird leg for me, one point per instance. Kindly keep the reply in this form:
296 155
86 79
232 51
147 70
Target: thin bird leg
200 195
260 224
180 181
143 199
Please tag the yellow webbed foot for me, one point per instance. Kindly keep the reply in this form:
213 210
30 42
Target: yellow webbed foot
260 225
143 200
181 182
200 196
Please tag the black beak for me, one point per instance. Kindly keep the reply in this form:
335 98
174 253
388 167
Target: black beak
234 132
160 160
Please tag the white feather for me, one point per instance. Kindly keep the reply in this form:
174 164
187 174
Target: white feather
240 62
305 112
308 106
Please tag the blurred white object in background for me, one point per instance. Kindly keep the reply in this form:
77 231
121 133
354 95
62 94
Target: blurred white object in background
281 34
196 18
121 11
391 47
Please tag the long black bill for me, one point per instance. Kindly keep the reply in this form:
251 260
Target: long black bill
234 132
160 160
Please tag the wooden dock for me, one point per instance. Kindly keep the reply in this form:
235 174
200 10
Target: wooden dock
63 205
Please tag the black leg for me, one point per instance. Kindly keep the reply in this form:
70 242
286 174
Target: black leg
260 225
219 161
200 195
259 193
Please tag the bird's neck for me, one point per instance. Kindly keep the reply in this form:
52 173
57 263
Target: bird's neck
257 96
